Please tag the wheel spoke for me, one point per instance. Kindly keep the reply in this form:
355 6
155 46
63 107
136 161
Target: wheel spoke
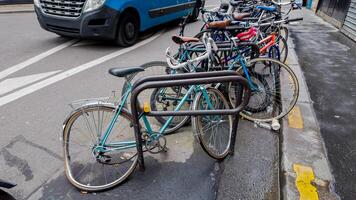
88 167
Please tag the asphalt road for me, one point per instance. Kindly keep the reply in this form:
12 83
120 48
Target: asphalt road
41 73
329 68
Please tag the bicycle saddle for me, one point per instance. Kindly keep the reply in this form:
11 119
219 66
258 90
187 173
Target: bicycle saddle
122 72
247 35
180 39
219 24
240 16
267 8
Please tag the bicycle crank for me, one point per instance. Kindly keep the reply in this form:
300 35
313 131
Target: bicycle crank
155 144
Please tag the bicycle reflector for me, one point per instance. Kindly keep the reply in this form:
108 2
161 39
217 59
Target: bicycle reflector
146 107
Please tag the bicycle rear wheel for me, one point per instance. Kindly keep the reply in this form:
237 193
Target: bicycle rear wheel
213 131
260 97
148 96
87 167
167 99
151 69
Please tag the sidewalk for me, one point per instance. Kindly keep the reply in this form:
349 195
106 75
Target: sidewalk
329 67
16 8
305 169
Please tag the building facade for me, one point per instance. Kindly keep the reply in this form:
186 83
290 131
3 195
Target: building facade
340 13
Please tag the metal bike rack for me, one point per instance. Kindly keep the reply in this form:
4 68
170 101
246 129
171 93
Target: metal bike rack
188 79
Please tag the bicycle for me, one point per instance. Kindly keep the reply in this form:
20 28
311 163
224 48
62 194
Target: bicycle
108 140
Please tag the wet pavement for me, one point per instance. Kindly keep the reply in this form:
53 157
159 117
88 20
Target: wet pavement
244 175
329 66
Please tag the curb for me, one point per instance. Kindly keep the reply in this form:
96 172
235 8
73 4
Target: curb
302 147
18 8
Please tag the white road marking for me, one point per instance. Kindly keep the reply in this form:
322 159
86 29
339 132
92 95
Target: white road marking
211 6
35 59
214 9
86 43
11 84
37 86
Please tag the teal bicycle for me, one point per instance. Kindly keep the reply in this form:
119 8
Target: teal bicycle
100 149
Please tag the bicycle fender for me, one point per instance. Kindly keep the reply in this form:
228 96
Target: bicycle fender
81 107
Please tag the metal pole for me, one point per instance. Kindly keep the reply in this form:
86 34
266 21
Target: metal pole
235 123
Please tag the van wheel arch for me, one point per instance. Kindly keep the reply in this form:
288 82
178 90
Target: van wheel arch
128 27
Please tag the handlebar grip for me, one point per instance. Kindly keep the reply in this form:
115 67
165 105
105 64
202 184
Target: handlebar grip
295 19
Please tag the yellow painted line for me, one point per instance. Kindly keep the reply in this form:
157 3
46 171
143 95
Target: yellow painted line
305 176
295 119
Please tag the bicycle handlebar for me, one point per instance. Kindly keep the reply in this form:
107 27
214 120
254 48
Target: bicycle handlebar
275 22
282 3
208 43
295 19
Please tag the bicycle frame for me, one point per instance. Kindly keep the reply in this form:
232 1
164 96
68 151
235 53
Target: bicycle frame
271 40
114 146
236 59
192 89
120 145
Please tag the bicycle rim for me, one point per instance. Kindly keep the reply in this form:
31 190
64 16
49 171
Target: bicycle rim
213 131
260 98
93 172
151 69
284 32
283 48
166 99
283 89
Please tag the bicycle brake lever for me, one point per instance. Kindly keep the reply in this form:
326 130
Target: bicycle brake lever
168 55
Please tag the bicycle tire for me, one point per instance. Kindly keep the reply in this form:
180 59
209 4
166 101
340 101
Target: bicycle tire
283 48
160 68
71 165
284 32
177 122
252 106
197 125
145 66
289 84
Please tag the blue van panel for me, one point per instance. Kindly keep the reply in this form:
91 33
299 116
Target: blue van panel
146 21
102 22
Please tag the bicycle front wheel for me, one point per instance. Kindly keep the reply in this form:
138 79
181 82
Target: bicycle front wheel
89 165
284 32
282 90
283 49
213 131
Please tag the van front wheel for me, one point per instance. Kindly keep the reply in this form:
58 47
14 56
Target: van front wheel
128 30
195 13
